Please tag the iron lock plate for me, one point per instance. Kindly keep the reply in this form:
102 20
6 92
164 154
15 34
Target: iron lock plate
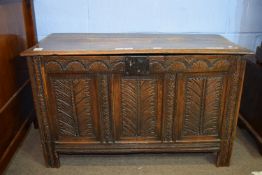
136 65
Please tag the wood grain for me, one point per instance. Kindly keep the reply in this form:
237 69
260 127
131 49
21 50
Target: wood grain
101 44
89 104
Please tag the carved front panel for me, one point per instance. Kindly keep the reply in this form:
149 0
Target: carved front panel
73 105
202 97
181 97
139 107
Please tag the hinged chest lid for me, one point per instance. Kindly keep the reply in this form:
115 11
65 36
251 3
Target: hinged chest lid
105 44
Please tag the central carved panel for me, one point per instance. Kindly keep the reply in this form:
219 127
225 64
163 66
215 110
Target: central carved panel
139 99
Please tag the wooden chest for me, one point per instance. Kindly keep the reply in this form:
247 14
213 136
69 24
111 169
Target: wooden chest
123 93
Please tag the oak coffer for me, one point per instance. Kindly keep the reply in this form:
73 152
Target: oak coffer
128 93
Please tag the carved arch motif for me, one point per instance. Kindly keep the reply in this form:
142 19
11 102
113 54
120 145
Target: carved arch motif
75 66
98 66
53 66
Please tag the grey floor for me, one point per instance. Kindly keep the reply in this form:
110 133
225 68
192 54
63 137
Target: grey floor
245 159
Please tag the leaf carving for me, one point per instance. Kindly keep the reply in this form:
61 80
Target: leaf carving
202 105
138 106
65 113
148 107
73 103
212 105
129 107
192 116
82 103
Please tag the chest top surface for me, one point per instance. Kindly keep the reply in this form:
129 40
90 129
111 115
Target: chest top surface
103 44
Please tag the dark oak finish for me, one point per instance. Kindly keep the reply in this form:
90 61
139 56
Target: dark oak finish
93 98
16 104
